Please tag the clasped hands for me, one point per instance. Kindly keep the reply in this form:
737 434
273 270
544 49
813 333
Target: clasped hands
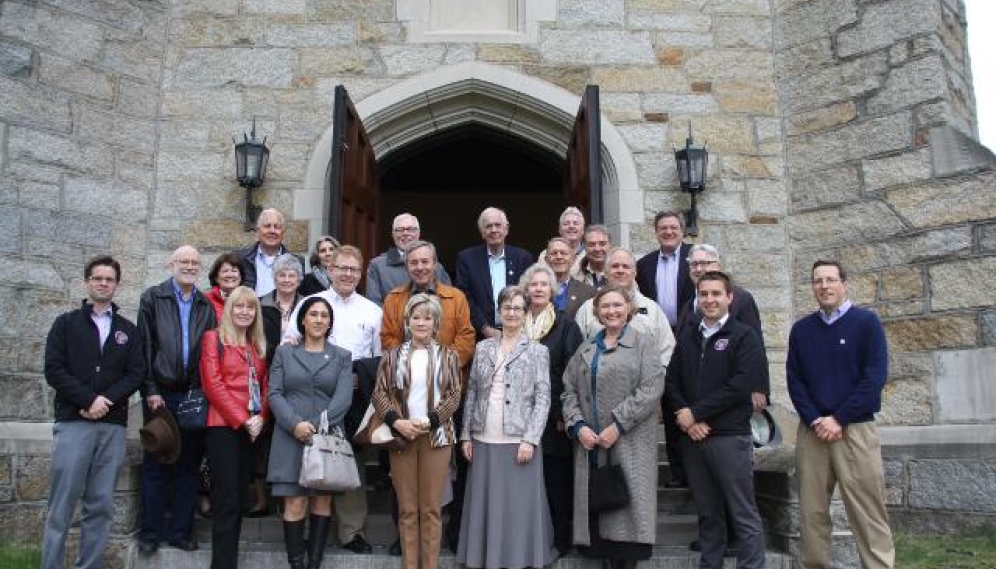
100 407
254 425
606 439
697 430
828 429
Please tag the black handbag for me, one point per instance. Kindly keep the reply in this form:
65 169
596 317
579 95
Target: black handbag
192 412
607 489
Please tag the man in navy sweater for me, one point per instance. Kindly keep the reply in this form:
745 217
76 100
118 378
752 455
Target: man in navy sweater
837 366
94 361
709 382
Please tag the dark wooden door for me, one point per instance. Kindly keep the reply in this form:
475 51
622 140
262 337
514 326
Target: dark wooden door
354 187
583 178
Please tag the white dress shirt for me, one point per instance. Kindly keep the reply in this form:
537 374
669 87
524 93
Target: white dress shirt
355 323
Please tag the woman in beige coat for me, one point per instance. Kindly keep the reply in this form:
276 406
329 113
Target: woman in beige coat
612 390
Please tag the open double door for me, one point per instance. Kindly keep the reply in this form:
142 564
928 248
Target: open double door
354 185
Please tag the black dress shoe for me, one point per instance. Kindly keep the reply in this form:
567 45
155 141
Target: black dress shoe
147 546
395 548
358 545
184 544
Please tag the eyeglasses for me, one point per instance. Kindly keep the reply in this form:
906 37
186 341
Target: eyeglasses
408 229
98 280
826 281
347 270
695 264
512 309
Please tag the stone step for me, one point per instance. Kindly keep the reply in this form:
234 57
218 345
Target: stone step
672 530
268 557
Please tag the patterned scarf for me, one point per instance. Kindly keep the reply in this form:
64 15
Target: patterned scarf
402 378
537 327
322 275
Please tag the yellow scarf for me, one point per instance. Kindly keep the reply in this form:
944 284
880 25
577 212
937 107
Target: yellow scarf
537 327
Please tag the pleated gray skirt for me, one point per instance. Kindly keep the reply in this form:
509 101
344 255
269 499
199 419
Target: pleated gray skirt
506 519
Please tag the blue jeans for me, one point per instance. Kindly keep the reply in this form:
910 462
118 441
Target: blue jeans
86 459
186 481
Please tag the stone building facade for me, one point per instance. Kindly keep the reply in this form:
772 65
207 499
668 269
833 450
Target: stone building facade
837 128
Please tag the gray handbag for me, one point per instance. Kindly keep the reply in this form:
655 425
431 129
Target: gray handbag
327 462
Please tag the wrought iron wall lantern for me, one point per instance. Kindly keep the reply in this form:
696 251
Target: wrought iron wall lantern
251 157
693 163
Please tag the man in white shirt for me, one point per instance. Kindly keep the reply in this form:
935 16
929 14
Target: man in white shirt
356 327
258 258
620 270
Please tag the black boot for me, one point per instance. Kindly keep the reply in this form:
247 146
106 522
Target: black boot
294 541
318 532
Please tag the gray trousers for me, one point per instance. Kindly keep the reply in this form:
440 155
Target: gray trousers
86 459
721 476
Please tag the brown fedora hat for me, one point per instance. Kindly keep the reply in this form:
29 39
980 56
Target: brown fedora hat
161 436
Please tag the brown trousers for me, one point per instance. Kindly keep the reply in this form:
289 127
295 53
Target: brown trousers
419 474
855 464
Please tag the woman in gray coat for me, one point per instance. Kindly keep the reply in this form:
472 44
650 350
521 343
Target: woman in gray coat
506 519
306 379
612 390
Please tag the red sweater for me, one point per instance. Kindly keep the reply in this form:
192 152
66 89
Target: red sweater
226 382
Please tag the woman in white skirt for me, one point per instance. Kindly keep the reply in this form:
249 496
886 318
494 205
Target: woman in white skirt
506 519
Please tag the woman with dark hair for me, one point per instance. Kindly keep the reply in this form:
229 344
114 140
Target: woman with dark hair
612 390
417 392
305 380
233 376
225 275
561 336
320 277
508 399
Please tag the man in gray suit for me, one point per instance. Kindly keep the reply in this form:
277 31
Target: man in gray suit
387 271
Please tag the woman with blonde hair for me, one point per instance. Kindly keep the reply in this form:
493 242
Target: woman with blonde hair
417 392
234 379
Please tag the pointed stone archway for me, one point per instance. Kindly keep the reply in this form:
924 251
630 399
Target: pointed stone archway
487 95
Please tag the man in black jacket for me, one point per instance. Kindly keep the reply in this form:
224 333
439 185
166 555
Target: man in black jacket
172 317
709 382
93 361
258 258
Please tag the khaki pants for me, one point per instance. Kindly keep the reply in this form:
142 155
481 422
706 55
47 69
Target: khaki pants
855 463
419 474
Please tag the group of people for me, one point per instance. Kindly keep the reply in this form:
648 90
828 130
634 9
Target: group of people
505 390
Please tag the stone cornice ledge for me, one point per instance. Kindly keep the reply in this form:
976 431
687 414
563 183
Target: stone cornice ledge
938 435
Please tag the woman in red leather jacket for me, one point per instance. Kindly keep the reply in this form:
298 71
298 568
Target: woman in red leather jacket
234 379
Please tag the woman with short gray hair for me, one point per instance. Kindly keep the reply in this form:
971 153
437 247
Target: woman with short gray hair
508 399
561 335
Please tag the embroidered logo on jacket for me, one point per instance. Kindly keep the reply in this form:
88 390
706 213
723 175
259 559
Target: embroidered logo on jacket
120 338
721 344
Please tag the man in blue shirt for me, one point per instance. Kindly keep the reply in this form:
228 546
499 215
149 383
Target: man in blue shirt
836 368
172 317
483 270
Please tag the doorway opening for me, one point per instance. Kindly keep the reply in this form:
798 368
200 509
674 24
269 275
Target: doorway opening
448 178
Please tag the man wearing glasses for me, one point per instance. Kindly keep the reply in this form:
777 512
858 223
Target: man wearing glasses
356 327
387 270
172 317
836 368
94 362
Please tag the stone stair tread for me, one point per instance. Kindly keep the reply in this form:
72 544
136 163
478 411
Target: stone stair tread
264 557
